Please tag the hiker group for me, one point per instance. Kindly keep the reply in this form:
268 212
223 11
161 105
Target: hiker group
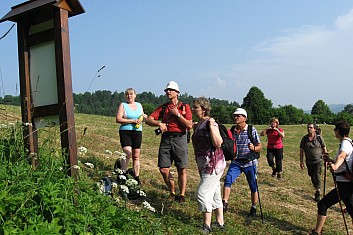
174 120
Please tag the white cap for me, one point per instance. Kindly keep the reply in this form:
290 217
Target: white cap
241 112
172 85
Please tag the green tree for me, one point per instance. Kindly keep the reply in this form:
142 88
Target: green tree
289 114
322 112
258 107
348 109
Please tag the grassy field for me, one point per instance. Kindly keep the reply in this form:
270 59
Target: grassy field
287 204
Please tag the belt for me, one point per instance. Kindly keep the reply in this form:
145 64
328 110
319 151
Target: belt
173 134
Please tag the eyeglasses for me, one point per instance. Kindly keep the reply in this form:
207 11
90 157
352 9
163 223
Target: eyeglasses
310 127
169 89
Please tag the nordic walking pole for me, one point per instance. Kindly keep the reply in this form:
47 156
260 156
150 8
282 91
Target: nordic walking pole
339 200
257 188
325 173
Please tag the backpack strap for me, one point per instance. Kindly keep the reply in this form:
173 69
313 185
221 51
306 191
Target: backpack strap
251 138
319 138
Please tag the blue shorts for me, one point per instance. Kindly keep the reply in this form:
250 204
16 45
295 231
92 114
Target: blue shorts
235 170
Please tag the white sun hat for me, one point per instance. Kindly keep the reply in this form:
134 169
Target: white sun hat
172 85
241 112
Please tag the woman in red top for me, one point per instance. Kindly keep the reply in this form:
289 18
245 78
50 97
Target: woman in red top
275 135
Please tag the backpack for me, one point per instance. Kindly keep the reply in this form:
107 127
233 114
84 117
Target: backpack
107 185
252 155
228 146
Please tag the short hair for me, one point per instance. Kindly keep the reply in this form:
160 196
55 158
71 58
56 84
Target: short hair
130 89
204 104
343 128
310 123
274 119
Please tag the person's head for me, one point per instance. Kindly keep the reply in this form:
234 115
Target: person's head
311 128
130 94
172 90
342 129
201 107
274 122
240 116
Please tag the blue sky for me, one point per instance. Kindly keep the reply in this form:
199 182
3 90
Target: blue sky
295 52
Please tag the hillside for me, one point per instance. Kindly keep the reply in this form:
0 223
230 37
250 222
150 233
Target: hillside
287 204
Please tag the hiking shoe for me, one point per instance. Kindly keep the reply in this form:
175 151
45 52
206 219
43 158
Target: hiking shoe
180 199
279 176
317 196
206 229
225 206
274 172
172 197
252 212
313 232
217 225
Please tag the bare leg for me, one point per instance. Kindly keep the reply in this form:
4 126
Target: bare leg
136 161
124 163
182 180
219 216
320 221
207 216
226 193
168 178
254 198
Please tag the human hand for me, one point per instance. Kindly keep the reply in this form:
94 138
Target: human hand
302 165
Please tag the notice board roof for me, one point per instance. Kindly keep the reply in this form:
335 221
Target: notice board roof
33 8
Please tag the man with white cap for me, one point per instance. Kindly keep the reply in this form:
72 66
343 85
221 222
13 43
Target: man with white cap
243 162
176 119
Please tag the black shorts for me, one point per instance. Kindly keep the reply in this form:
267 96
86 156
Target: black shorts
130 138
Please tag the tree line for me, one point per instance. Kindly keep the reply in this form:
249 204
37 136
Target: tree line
259 108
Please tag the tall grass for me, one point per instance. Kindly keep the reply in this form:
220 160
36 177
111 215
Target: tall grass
46 201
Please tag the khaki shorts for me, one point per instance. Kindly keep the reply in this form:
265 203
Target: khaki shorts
173 148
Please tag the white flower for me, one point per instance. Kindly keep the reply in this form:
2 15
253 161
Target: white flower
114 185
148 206
76 167
142 193
82 150
90 165
100 187
131 182
122 177
27 124
124 188
61 168
119 171
108 152
3 126
11 124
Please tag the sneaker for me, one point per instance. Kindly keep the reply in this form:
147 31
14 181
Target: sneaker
274 172
217 225
206 229
252 212
317 196
180 199
279 176
225 206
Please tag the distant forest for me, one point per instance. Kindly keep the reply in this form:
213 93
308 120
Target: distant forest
259 108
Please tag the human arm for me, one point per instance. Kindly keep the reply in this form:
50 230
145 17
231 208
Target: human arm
124 120
214 133
280 131
302 159
185 122
339 160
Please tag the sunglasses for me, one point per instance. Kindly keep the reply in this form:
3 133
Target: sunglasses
169 89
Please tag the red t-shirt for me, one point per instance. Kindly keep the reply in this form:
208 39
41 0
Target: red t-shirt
274 139
172 121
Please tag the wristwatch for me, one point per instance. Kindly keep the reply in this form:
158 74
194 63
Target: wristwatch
178 115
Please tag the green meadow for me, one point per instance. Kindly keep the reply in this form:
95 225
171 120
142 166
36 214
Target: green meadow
45 201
